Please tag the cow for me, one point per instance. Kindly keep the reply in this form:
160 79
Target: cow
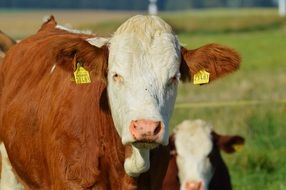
196 162
83 112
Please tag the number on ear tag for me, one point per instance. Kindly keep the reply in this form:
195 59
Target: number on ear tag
201 77
237 147
81 75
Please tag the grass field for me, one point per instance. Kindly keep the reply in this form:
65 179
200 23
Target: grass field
250 102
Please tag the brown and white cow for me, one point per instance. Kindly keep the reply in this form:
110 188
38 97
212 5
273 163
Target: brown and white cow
108 134
196 162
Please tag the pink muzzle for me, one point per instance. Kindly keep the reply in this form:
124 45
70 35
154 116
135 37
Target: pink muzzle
194 185
144 130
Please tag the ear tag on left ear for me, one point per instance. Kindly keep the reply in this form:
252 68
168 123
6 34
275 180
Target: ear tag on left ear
202 77
237 147
81 75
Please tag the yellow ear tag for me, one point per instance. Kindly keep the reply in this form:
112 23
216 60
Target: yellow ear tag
202 77
81 75
237 147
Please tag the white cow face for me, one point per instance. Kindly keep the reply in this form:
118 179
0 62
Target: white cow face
193 145
143 73
198 157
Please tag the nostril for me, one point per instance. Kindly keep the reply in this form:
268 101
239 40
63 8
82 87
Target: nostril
134 127
157 129
137 125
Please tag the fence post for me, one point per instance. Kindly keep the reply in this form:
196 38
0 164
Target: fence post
152 7
282 7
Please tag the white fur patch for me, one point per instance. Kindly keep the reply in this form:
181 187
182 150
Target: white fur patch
8 179
193 144
144 26
69 29
53 68
138 162
98 41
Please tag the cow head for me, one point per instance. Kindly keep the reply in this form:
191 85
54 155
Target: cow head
143 73
198 158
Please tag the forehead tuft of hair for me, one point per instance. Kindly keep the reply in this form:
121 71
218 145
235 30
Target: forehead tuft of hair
193 127
144 26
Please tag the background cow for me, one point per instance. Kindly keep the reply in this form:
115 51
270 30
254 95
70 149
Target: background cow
6 42
109 132
196 162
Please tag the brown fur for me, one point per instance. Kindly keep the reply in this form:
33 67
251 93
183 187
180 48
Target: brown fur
60 135
6 42
221 178
216 59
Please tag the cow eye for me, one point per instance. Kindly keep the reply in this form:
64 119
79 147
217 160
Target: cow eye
174 79
117 78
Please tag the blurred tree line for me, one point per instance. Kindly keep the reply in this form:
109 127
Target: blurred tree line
134 4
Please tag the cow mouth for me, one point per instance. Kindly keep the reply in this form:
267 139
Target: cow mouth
145 144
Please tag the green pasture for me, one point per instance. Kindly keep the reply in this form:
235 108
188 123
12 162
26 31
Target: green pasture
250 102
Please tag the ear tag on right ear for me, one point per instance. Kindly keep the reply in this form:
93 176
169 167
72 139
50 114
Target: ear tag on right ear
81 75
237 147
201 77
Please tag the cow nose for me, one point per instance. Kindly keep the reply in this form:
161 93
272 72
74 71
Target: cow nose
146 130
194 185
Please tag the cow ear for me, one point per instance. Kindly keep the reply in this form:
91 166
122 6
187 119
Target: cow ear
228 143
49 24
98 41
93 59
215 59
171 145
